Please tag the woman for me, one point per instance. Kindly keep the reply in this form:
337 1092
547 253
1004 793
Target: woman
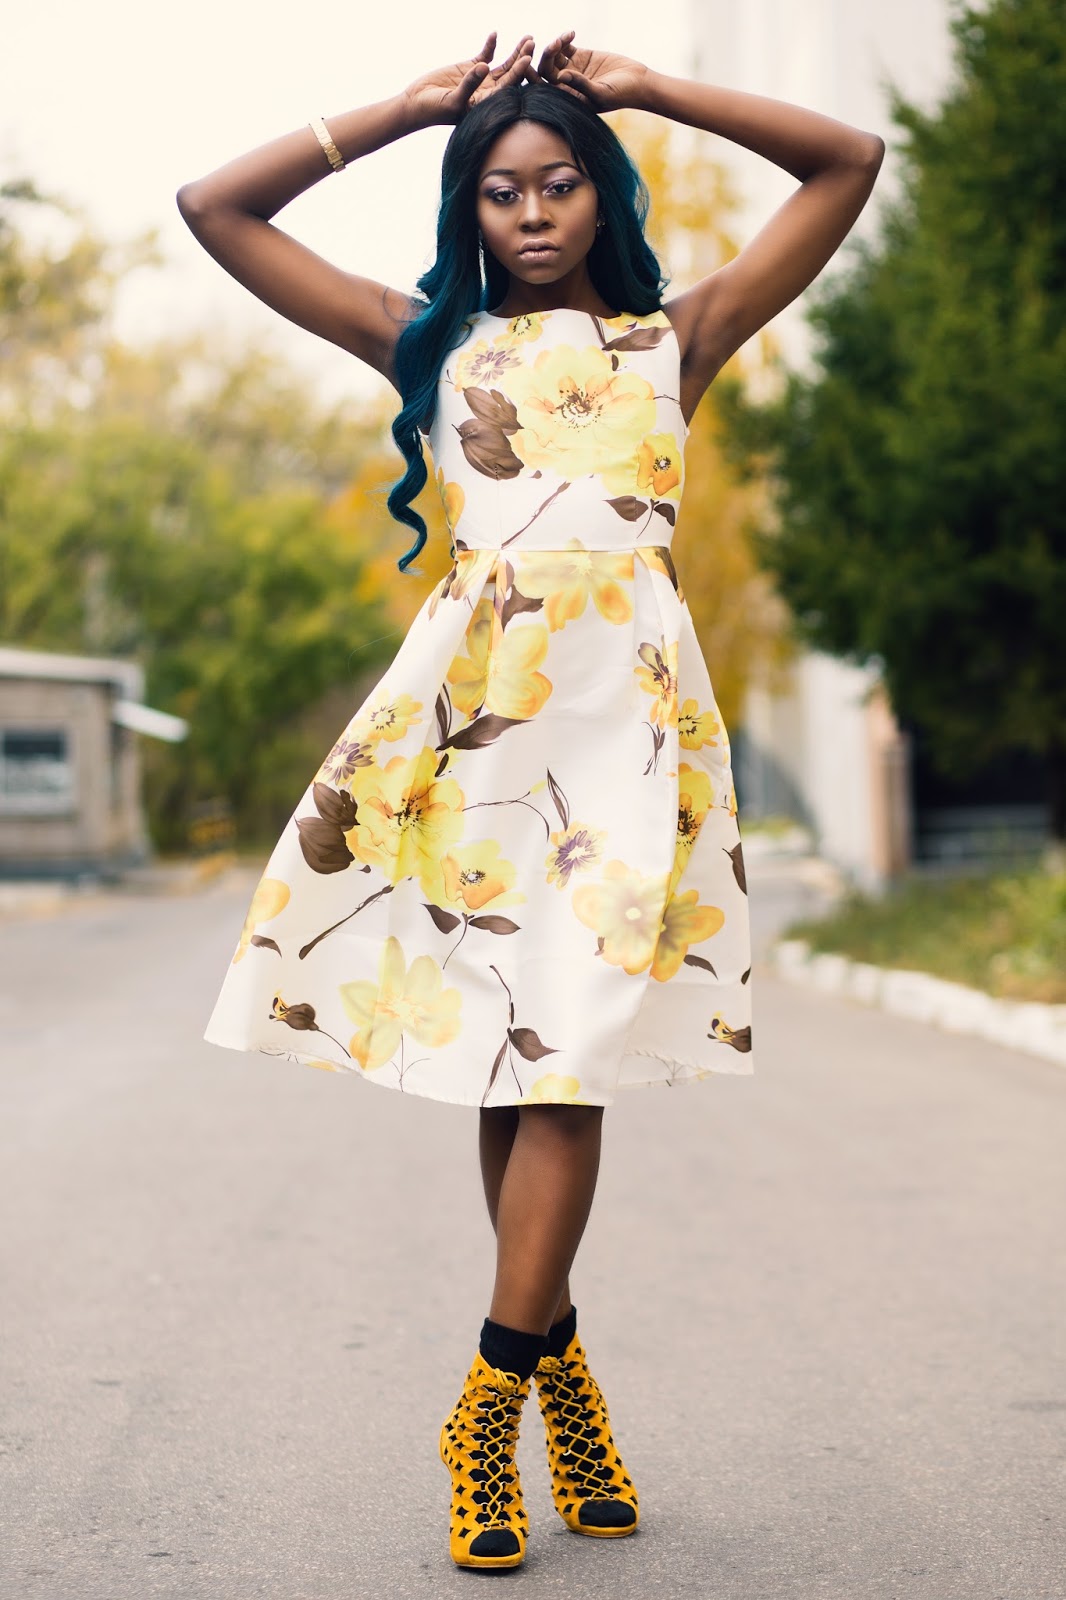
552 680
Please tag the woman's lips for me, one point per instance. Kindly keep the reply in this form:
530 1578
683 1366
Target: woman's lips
540 252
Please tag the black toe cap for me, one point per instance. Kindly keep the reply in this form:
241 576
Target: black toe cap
607 1514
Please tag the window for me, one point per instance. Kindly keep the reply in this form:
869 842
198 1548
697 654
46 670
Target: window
36 774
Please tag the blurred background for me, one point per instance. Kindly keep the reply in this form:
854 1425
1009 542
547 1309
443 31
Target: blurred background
824 1301
193 540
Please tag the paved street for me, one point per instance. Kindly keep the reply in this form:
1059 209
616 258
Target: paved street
826 1303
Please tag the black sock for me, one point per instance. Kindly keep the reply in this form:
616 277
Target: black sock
511 1350
560 1333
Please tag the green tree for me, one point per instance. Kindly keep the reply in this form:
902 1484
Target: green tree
920 477
174 506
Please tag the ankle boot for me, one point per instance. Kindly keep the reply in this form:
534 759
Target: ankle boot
477 1444
592 1491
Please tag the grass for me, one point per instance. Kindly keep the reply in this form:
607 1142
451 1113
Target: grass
1004 934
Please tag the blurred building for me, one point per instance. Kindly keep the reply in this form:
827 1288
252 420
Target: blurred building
826 749
70 790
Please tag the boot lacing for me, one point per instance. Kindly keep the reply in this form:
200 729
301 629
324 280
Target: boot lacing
496 1432
574 1400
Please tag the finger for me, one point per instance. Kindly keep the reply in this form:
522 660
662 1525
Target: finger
548 55
488 49
471 79
522 48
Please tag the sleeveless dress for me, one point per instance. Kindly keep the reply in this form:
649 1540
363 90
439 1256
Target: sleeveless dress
517 876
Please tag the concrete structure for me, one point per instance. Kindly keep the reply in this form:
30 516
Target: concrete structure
827 749
70 802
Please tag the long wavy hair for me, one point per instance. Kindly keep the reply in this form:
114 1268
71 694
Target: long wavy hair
465 279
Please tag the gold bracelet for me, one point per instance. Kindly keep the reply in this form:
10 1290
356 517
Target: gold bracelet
336 160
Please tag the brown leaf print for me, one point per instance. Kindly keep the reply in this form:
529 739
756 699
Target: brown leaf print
482 731
560 800
638 339
527 1044
699 961
736 856
484 439
443 713
322 838
665 509
495 1069
516 602
264 943
445 920
628 506
493 408
494 924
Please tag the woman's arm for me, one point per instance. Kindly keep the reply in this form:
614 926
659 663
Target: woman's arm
837 166
835 163
229 210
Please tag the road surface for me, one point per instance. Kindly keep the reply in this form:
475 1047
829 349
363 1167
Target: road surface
826 1303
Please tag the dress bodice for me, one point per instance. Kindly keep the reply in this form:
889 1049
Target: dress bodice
561 425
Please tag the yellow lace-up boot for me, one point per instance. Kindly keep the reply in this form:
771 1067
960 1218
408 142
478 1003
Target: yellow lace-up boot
477 1444
592 1491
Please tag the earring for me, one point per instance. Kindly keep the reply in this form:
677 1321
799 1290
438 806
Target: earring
599 222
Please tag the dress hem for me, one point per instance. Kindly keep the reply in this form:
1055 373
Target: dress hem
692 1073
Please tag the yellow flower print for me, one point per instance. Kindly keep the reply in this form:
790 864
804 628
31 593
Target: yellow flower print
653 319
572 849
453 497
625 911
271 896
553 1089
695 796
658 677
484 364
522 329
473 876
684 923
659 466
402 1001
406 817
501 676
390 719
578 415
565 579
695 728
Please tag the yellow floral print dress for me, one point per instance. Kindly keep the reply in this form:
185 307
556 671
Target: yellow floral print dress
517 876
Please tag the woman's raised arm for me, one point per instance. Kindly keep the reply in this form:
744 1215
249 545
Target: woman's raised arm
229 210
835 163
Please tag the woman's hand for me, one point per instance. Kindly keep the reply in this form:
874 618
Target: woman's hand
607 82
444 94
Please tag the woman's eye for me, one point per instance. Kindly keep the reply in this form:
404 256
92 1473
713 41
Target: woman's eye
563 186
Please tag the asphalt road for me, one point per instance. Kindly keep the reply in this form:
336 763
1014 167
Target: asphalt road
826 1303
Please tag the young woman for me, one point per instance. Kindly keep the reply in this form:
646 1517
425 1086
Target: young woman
516 880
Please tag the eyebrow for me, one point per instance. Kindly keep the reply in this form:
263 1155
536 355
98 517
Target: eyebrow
509 172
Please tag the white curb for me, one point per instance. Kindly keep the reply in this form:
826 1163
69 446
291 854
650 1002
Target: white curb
1039 1030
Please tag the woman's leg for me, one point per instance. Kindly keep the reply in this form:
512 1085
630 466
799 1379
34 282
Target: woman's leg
539 1165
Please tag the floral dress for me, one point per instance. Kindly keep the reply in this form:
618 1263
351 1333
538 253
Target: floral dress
517 876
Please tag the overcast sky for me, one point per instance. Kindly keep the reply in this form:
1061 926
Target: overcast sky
116 103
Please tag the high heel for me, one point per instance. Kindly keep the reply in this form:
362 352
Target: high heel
591 1489
488 1526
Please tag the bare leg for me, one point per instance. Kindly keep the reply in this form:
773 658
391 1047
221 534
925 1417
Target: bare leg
542 1204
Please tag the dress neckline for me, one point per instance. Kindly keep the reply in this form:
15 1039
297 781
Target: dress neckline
553 311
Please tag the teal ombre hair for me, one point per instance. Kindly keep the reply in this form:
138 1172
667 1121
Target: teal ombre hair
622 265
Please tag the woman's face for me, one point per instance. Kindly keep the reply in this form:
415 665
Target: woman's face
530 191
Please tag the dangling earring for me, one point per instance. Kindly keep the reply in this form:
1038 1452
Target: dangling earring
599 224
